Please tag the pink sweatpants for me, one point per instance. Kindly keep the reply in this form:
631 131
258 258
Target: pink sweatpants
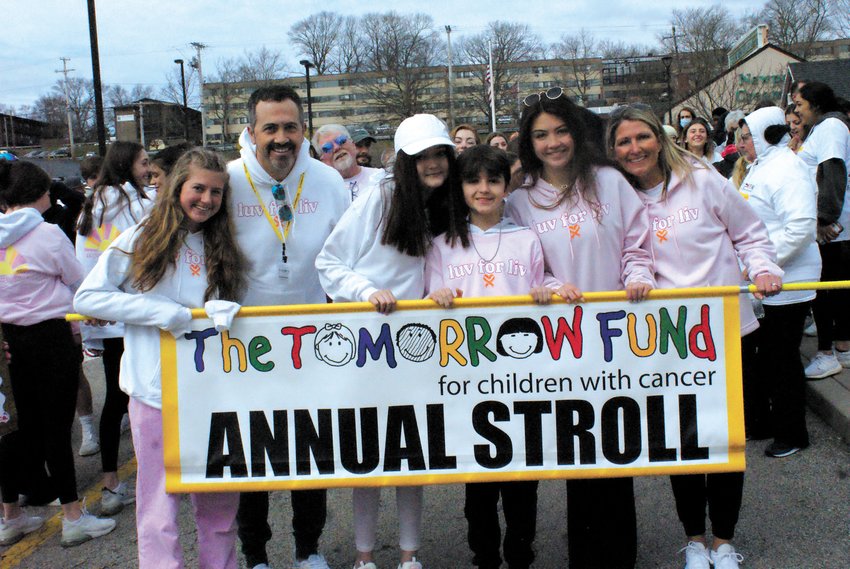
156 511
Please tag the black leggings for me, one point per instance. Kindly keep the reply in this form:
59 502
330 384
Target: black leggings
831 308
722 493
44 374
114 406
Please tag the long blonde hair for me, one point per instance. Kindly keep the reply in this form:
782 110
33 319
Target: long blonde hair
164 230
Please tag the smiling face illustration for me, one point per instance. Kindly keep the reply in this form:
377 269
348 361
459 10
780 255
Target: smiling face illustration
416 342
519 344
335 345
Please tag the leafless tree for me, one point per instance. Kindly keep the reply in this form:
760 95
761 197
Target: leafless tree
615 49
173 90
579 72
399 49
221 93
841 17
50 108
350 50
511 43
316 38
81 103
796 24
264 66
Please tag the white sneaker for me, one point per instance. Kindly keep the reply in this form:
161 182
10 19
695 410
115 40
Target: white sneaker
726 557
823 365
842 357
261 566
90 444
696 556
84 529
811 330
365 565
410 565
315 561
12 531
113 501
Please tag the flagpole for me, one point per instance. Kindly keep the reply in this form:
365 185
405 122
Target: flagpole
492 89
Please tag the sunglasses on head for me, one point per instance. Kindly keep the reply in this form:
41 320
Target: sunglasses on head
551 94
338 141
284 212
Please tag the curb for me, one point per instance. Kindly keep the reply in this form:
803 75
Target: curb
829 398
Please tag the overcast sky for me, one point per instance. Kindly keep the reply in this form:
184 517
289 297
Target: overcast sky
139 40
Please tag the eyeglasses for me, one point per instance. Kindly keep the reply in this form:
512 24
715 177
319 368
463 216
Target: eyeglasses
551 94
338 141
284 212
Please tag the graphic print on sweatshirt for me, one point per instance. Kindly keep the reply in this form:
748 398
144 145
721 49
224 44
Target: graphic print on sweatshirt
99 240
661 225
572 221
487 270
253 209
12 263
194 261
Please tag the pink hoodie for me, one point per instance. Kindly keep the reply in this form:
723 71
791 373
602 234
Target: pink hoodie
700 230
596 249
508 261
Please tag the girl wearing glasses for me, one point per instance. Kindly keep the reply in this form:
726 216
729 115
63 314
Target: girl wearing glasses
593 232
404 212
703 251
120 200
184 255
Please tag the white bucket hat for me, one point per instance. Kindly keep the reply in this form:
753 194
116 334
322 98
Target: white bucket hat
419 132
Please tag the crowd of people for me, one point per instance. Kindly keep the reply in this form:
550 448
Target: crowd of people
156 237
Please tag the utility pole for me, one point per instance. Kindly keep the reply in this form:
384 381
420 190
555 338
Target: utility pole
95 69
196 63
451 81
64 72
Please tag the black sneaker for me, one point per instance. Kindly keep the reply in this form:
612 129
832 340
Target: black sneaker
777 449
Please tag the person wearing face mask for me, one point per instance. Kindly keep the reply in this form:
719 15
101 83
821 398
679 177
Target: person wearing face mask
334 145
684 118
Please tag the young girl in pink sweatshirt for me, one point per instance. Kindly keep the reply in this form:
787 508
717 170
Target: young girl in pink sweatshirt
484 254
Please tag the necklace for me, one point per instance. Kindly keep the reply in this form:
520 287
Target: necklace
496 252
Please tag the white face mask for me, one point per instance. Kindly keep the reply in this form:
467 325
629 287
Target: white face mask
684 122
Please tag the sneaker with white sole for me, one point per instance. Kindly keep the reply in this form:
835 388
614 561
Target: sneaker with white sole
113 501
315 561
261 566
696 556
12 531
726 557
414 564
90 445
365 565
842 357
823 365
811 330
86 528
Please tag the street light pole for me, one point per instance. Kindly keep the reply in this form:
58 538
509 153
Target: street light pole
668 61
307 65
185 103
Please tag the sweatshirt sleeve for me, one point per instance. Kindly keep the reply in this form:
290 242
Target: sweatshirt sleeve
745 229
538 266
636 262
67 266
795 205
104 295
357 229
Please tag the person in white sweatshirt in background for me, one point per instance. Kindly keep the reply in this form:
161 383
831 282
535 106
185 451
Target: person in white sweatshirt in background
119 201
506 260
377 254
780 190
181 256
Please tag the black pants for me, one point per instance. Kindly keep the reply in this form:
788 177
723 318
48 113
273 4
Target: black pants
309 512
831 308
519 502
601 524
756 395
44 375
721 492
114 406
782 371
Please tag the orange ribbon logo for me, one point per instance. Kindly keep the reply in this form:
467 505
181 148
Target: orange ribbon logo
489 279
662 235
196 270
575 231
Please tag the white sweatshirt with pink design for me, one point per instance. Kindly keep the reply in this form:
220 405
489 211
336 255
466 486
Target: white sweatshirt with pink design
700 230
504 260
594 247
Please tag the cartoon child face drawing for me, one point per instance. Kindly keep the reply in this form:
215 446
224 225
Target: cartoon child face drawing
416 342
519 338
335 345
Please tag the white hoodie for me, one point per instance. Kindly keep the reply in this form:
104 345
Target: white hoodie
324 198
779 188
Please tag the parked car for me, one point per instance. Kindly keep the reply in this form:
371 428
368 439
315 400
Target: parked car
34 154
60 153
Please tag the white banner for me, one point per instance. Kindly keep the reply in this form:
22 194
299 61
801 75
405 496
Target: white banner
338 395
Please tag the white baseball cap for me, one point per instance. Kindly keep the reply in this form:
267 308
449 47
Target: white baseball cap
419 132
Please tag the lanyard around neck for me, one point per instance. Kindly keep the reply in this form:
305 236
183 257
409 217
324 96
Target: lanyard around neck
287 226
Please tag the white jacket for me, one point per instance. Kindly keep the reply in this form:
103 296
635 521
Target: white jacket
779 188
354 263
107 293
324 198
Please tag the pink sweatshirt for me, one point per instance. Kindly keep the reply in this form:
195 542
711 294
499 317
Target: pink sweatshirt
596 249
506 260
38 270
700 230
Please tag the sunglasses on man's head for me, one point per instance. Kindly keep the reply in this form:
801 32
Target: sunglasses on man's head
338 141
551 94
